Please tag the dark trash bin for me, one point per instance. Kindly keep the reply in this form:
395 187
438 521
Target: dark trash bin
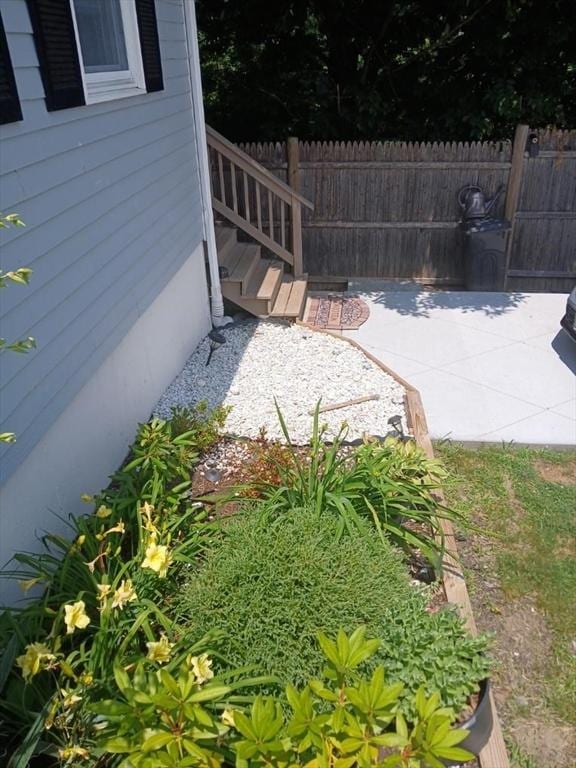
485 243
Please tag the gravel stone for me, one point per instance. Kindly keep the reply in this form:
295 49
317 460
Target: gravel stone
263 360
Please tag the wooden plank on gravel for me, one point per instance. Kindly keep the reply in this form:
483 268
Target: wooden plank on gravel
494 754
345 404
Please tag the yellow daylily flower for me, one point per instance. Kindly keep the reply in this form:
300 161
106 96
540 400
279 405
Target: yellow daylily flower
147 510
157 558
80 540
75 616
124 594
66 753
201 666
228 718
87 498
37 657
103 592
103 511
118 528
159 651
86 679
70 698
92 564
52 714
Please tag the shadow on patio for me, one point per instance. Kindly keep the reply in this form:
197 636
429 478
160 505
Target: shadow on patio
409 298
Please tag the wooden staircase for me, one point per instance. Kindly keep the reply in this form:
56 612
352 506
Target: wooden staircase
269 211
256 284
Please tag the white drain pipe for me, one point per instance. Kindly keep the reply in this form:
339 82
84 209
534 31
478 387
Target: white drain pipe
216 299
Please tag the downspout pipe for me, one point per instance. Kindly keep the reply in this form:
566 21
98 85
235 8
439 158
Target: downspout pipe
216 299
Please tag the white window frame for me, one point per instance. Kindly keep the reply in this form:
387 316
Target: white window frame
106 86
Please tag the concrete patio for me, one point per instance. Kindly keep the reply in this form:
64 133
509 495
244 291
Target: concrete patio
490 367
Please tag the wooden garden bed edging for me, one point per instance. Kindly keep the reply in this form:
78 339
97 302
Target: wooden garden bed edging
494 753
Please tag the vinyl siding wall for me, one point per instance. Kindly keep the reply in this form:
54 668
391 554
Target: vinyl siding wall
111 199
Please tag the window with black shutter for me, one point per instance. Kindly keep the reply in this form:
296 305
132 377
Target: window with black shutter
10 110
55 40
110 48
148 30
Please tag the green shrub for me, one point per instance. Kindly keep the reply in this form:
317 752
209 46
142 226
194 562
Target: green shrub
391 483
271 583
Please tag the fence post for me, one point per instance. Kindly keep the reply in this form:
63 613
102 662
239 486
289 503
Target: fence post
293 176
293 160
296 225
514 187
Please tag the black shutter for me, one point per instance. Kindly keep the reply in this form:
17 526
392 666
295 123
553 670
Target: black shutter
148 31
10 110
57 52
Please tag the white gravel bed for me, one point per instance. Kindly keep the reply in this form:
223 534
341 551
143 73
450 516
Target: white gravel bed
263 360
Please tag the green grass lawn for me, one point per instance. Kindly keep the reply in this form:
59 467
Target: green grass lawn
527 568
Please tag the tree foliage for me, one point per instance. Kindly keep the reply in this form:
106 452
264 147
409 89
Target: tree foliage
405 69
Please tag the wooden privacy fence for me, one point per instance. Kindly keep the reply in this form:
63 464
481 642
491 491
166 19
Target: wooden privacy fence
389 209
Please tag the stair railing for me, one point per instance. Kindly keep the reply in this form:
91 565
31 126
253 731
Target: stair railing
255 200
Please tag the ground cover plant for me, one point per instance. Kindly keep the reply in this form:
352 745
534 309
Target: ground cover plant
522 585
271 582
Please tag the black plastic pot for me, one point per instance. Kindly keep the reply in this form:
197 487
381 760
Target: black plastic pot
479 725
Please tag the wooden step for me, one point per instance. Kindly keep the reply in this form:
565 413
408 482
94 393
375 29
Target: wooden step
256 307
241 260
291 297
226 238
266 280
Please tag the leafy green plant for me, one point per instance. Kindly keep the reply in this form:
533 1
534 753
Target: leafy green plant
19 276
357 720
161 714
435 651
205 424
391 483
270 583
169 715
159 462
344 719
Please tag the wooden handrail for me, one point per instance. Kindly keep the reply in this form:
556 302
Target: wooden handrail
247 163
233 173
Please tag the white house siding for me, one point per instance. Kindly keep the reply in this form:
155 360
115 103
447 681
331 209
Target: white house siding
111 198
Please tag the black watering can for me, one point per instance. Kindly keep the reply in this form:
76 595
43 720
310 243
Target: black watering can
475 204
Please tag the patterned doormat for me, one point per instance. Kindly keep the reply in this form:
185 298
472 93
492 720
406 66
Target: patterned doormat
335 311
